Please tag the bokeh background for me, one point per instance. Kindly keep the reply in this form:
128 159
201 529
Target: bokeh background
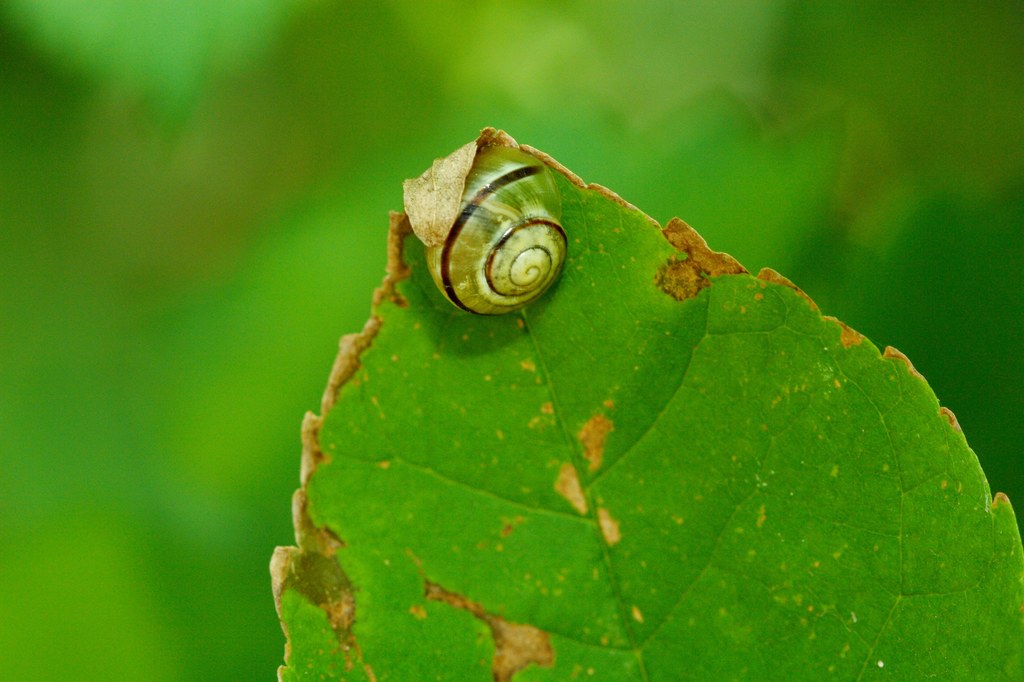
193 202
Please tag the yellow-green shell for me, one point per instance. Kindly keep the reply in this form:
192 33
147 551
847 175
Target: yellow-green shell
507 245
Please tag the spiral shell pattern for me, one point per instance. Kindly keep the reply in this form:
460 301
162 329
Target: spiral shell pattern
507 245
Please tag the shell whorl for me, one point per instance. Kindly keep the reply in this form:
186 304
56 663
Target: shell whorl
506 246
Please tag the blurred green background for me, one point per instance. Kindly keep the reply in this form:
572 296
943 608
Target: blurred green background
193 201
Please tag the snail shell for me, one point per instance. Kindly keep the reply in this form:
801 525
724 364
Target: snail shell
506 246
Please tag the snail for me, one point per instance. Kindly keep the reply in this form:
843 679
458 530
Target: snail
507 246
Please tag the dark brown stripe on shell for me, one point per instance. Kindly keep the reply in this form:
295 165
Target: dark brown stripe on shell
467 213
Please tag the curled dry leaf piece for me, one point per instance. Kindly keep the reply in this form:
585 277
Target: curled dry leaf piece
432 200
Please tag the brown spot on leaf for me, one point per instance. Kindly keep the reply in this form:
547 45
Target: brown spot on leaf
528 365
950 417
547 408
609 527
999 499
769 275
762 516
683 278
568 486
516 645
848 336
510 525
592 437
893 354
638 615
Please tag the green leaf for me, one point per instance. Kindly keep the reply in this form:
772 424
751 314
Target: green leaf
657 472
